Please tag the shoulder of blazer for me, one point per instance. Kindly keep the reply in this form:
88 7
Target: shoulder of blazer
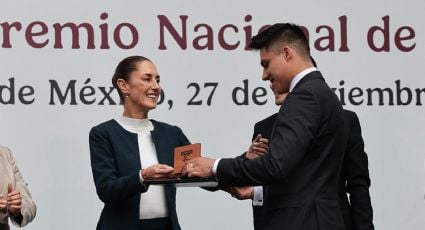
160 124
350 118
4 151
265 126
110 130
111 126
268 121
315 75
106 125
161 127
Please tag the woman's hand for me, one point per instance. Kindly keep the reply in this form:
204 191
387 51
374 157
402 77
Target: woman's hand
3 202
157 171
14 201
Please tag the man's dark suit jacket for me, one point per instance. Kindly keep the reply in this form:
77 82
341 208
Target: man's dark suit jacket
115 162
357 211
304 160
354 179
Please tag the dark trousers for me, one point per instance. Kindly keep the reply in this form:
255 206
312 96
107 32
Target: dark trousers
156 224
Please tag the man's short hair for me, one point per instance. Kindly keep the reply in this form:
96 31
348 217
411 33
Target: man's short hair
286 33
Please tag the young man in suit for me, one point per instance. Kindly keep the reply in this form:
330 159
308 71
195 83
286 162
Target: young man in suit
354 180
305 153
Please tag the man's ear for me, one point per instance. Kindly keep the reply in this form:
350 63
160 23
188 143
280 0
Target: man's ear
287 53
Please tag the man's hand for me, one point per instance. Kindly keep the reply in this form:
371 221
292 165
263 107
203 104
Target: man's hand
199 167
157 171
241 193
258 147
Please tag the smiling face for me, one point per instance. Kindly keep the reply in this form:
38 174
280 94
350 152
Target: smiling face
278 67
279 98
141 90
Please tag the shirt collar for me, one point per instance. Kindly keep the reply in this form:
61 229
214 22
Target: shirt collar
300 76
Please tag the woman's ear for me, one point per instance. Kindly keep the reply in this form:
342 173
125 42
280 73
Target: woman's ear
123 86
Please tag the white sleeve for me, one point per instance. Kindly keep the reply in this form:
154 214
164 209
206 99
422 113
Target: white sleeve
258 196
214 168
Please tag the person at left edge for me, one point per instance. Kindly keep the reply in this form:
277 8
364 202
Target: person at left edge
16 203
131 148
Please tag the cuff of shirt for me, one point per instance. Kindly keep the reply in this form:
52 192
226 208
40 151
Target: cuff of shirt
214 168
258 196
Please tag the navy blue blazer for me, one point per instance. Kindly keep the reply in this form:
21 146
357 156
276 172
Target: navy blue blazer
115 163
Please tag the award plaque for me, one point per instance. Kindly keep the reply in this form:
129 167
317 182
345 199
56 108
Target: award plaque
182 155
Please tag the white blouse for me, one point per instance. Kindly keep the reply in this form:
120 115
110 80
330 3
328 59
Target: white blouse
153 202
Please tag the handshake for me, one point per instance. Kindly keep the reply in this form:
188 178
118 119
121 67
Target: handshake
188 163
203 166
